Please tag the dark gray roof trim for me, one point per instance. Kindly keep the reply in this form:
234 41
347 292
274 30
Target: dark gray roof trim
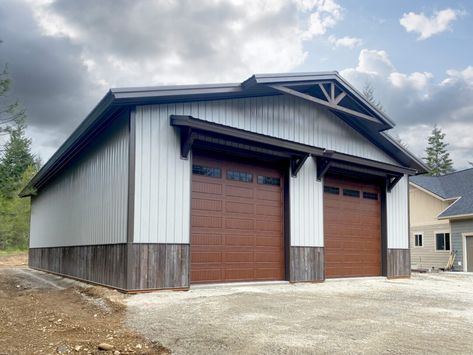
257 85
457 185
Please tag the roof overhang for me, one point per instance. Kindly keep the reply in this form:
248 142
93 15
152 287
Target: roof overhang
327 89
193 129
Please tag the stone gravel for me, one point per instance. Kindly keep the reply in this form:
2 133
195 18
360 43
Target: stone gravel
427 314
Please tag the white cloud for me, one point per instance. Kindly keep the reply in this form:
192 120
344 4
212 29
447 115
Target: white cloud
324 15
416 102
428 26
348 42
139 49
416 80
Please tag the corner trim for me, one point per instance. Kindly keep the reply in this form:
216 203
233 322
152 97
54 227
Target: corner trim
131 197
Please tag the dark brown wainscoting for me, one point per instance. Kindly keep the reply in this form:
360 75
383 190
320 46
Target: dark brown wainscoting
102 264
158 266
399 263
130 267
306 264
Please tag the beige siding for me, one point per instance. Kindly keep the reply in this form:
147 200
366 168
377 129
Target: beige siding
426 256
425 208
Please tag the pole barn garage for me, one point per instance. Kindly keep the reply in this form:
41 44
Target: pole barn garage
281 177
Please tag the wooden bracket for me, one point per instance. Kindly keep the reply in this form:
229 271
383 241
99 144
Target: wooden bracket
392 181
323 164
296 164
187 139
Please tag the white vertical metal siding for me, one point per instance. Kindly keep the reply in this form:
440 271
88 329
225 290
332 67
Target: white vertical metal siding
87 203
287 117
162 179
306 207
397 209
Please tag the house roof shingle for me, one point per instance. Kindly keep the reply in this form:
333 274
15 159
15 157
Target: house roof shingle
455 185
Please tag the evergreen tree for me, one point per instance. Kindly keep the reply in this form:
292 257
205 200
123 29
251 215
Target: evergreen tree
15 216
438 158
11 112
15 161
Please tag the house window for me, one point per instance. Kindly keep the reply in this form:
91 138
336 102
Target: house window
442 241
419 240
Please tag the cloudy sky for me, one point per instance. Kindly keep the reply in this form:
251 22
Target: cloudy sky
64 55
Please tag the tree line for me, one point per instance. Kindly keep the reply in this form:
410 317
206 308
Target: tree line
437 157
17 166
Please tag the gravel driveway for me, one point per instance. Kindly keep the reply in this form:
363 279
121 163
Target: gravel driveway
429 313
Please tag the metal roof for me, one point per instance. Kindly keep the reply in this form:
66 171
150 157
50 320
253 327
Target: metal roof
457 185
257 85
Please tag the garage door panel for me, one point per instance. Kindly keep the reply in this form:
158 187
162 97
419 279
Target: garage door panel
239 192
239 223
206 275
352 230
265 195
206 205
239 274
239 240
206 221
240 207
206 257
237 226
266 225
207 239
207 188
268 241
243 256
267 210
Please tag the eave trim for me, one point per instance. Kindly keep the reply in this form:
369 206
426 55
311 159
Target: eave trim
202 125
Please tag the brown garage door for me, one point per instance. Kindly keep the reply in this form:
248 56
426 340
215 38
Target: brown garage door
352 228
237 221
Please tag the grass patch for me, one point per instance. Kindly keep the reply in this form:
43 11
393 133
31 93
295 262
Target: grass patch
12 251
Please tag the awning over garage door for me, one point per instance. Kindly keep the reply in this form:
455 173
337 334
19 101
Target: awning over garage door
195 131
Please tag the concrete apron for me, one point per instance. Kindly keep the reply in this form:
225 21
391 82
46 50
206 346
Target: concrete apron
238 284
269 283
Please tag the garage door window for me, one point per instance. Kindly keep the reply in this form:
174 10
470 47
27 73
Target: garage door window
269 180
206 171
442 241
351 193
332 190
239 176
370 195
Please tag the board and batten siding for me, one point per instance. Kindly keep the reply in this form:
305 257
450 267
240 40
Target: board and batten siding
162 178
87 203
397 215
306 207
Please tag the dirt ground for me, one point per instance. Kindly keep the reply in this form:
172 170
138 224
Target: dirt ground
427 314
46 314
14 259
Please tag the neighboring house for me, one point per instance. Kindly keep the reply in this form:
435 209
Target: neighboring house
281 177
441 216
